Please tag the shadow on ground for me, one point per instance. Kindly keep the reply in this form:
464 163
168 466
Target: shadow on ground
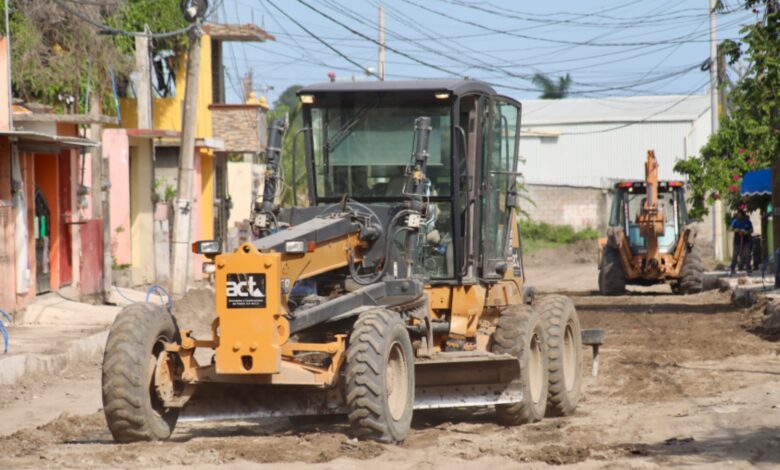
758 446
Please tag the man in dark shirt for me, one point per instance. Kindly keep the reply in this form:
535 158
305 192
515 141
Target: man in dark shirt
743 232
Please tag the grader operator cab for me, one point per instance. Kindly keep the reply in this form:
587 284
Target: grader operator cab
649 239
400 287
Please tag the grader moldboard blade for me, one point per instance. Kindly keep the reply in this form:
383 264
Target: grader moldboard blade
445 380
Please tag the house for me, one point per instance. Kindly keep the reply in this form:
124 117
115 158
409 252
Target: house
48 239
146 160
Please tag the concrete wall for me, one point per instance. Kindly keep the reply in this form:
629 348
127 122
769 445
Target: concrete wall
116 150
566 205
7 226
242 177
141 212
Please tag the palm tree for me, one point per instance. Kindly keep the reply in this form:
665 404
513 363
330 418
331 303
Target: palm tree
550 89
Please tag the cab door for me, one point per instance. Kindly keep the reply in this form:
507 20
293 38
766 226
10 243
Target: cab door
499 191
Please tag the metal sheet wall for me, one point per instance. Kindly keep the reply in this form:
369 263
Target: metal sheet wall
581 156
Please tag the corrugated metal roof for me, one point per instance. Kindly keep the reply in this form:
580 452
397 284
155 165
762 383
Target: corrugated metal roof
615 109
65 141
595 142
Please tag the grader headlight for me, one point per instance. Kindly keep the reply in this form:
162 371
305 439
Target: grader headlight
207 247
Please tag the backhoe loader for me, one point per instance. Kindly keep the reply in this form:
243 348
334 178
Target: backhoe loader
399 288
649 240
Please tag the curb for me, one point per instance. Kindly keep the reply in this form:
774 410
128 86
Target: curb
14 368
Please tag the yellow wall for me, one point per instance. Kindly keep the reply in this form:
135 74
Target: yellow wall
207 195
167 112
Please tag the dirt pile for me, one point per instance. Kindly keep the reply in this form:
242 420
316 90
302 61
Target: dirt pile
584 251
195 311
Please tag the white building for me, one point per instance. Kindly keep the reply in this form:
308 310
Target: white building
575 150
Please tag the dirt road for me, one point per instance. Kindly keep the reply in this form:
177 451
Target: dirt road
683 381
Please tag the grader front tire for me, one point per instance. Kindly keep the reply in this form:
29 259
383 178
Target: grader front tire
520 332
131 406
380 377
564 337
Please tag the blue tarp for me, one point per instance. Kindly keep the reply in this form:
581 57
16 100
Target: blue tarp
757 183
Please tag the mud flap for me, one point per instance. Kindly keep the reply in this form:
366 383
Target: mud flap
451 380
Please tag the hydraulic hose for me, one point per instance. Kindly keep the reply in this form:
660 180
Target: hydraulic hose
4 330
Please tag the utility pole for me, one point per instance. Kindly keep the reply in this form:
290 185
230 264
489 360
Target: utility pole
143 85
180 269
717 209
381 43
247 85
774 124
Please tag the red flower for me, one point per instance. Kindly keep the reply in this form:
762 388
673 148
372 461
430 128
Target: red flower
733 188
735 178
741 150
749 161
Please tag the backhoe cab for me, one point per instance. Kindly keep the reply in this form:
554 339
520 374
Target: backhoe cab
399 287
649 239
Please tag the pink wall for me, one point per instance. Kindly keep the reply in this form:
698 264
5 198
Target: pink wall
116 148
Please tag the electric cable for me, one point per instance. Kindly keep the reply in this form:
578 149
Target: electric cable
110 30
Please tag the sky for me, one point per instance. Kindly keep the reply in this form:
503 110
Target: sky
609 47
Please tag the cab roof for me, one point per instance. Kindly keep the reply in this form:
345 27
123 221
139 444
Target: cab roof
456 87
642 184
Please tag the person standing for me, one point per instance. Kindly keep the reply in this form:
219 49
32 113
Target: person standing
743 234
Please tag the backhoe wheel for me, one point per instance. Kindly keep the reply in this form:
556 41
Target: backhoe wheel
131 405
612 279
564 342
380 377
692 273
520 332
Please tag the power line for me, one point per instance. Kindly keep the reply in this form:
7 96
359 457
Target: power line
341 54
109 30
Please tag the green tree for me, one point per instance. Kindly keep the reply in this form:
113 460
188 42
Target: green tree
749 137
287 106
551 89
55 54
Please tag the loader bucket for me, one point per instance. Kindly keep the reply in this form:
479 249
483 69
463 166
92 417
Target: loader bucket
452 380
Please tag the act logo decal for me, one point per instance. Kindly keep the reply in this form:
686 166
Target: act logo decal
245 290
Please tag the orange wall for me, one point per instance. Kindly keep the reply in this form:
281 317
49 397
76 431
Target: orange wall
46 177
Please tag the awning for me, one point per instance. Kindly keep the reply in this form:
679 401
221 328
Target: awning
61 140
757 183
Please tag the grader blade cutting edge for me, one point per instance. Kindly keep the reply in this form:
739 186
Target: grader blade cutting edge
451 380
468 379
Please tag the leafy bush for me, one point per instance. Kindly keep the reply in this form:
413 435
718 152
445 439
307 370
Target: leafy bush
554 234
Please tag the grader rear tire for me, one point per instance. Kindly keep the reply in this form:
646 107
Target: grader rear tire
692 273
612 278
133 410
564 338
520 332
380 377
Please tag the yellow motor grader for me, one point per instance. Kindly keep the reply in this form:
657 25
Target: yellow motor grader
649 240
400 287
